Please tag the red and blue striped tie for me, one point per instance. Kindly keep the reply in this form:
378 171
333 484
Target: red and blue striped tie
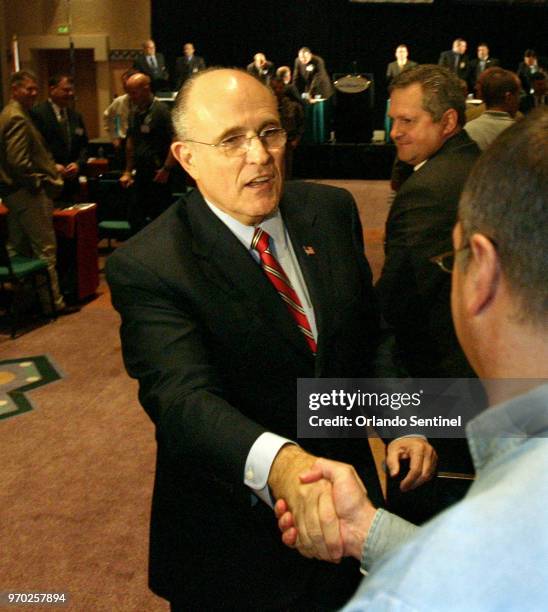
278 278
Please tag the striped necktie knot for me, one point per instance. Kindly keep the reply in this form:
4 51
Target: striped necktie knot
282 284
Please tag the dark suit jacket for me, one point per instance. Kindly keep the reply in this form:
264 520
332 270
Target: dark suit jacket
75 150
159 76
312 78
217 356
63 153
475 70
185 68
447 59
413 291
393 70
264 74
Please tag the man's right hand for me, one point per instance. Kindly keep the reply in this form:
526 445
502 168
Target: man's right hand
126 180
311 504
354 509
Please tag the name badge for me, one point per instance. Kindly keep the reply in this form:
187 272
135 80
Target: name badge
145 129
79 131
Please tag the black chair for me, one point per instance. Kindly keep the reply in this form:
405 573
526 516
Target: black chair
15 270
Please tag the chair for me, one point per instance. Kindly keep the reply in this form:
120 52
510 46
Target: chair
15 270
113 204
114 229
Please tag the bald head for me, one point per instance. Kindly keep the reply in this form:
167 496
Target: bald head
217 109
138 89
207 92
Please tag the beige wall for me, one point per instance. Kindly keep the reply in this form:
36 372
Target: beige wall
126 22
100 25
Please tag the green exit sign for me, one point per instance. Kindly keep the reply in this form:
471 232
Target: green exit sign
63 29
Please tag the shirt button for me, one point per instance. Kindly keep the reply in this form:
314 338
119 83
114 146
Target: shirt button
250 474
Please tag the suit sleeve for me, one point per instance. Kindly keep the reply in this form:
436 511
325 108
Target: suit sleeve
417 229
82 143
19 155
180 387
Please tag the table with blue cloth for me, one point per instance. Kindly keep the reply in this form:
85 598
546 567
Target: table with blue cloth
316 121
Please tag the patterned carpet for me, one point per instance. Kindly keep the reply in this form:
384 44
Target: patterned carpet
20 376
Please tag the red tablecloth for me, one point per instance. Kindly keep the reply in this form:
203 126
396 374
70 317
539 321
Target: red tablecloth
77 254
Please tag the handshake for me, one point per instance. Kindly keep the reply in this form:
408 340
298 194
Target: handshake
322 506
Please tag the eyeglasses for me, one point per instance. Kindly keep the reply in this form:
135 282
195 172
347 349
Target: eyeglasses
446 261
240 144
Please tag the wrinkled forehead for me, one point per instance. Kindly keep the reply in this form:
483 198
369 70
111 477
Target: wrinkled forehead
227 100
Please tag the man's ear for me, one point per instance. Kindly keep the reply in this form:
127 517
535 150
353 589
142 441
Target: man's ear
450 120
482 275
183 154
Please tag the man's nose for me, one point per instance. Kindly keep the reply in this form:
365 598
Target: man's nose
257 152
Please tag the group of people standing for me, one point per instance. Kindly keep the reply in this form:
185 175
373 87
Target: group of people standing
43 151
532 71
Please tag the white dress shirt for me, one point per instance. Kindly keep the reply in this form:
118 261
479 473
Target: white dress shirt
267 445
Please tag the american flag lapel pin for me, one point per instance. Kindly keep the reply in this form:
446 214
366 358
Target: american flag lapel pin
309 250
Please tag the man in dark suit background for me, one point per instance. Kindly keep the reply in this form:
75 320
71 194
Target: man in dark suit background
427 110
533 74
261 68
187 65
64 132
480 64
402 63
456 59
427 107
217 352
153 64
310 76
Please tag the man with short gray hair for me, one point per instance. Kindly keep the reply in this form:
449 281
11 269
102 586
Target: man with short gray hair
427 109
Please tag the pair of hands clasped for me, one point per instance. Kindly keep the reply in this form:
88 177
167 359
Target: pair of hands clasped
322 505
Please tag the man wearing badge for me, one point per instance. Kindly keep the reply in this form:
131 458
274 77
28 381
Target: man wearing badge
148 158
64 133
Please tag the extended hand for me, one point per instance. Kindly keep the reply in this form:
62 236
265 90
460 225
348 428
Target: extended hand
71 170
311 504
354 509
126 180
422 461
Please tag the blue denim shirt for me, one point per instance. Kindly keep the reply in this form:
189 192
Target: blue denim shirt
490 550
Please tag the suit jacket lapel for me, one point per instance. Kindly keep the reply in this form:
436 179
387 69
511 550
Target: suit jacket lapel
227 263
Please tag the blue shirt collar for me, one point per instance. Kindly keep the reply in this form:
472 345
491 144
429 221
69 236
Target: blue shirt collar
505 426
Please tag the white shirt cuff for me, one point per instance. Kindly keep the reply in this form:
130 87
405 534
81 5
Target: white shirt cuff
258 463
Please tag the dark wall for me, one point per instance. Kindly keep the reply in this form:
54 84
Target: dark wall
229 33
